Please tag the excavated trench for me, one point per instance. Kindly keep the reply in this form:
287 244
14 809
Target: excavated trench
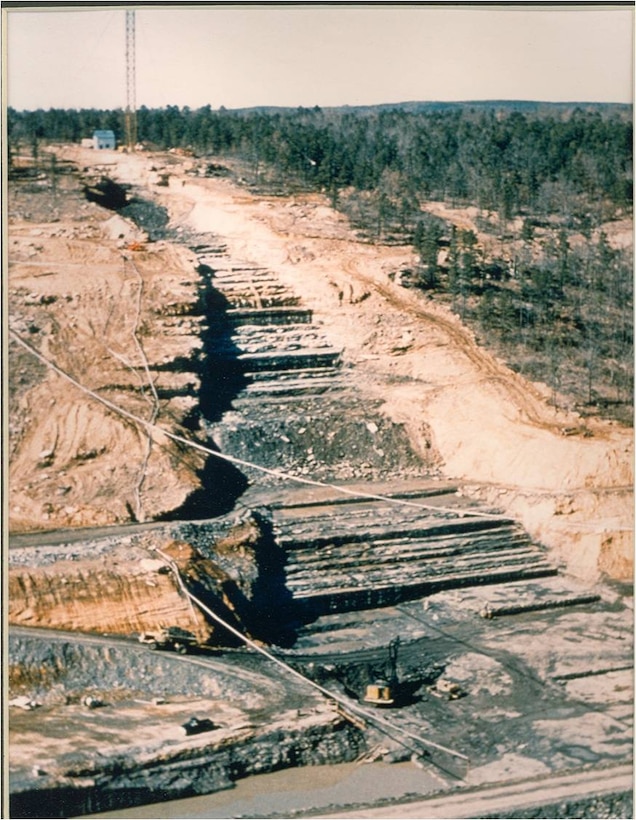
349 557
275 393
277 396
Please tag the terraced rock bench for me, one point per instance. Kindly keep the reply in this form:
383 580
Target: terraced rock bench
297 410
268 316
352 559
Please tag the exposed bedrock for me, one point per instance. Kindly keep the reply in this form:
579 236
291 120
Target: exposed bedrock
276 392
126 585
143 755
192 773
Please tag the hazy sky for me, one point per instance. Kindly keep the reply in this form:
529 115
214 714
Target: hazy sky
318 55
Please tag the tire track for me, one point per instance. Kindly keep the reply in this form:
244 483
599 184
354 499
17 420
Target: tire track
525 397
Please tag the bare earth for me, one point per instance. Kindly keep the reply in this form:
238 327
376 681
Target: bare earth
111 316
122 316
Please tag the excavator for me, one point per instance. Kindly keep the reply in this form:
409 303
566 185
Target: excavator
383 691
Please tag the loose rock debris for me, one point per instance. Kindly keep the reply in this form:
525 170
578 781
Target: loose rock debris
236 357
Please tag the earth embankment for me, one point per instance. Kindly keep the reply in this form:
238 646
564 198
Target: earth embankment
121 318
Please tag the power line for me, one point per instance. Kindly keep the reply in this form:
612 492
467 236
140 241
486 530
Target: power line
386 725
155 428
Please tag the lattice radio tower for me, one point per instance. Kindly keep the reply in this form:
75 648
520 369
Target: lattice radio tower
131 104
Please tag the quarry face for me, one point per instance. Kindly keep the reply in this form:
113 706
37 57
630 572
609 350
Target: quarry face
225 416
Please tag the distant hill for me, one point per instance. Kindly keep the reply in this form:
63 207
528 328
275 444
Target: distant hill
423 107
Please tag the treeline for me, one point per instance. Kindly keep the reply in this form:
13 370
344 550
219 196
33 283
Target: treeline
509 162
557 306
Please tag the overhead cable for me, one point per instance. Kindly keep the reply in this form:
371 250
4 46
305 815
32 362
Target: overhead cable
155 428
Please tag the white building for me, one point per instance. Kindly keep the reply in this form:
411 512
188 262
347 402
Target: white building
103 139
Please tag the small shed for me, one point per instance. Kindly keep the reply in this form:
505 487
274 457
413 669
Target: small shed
103 139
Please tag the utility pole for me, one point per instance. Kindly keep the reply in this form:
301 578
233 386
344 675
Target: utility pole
131 105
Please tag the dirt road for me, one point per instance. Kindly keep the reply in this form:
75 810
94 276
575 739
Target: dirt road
517 796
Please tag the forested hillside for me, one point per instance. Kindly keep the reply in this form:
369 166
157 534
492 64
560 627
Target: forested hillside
519 213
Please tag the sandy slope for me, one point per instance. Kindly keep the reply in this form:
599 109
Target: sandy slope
569 483
112 319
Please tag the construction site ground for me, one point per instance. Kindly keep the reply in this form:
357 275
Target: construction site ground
492 429
544 691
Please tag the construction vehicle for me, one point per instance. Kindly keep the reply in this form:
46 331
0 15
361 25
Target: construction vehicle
170 637
446 689
196 725
383 691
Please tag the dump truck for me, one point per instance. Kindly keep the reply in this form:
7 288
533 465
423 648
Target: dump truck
170 637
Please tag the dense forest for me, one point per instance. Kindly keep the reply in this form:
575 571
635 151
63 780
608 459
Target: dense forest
540 278
498 162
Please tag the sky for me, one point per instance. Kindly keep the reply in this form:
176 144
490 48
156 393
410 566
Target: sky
304 55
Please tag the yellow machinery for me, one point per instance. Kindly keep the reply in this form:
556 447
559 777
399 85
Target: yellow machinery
379 693
383 690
